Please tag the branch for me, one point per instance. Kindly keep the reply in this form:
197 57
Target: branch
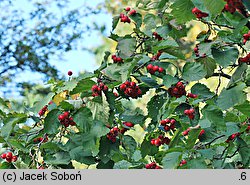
223 75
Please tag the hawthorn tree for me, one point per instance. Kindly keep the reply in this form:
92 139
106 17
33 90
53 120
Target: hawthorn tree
94 119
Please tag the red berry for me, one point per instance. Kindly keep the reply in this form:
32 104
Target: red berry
70 73
127 83
122 15
202 132
160 70
14 158
132 84
3 156
195 10
191 111
155 68
152 141
166 128
172 121
186 112
150 67
94 88
122 87
105 88
66 114
185 133
183 162
9 155
132 12
157 142
128 124
127 9
163 122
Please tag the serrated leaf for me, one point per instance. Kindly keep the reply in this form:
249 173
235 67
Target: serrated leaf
231 97
180 8
129 144
244 108
137 18
202 91
171 160
169 80
115 21
39 105
51 122
126 46
83 119
58 158
225 56
83 85
193 71
122 165
214 6
209 65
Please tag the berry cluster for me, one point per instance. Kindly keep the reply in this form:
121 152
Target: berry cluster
152 69
9 157
66 120
124 18
178 90
127 124
183 162
130 89
245 59
70 73
152 165
190 113
157 36
246 37
41 139
198 13
113 133
190 95
116 59
233 5
43 110
157 56
232 137
160 141
169 124
97 89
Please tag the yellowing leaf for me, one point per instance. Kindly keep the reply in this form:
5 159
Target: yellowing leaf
60 97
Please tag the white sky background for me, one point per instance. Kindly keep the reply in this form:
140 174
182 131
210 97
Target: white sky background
75 60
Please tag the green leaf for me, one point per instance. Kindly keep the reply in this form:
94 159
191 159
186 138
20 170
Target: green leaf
163 31
193 71
202 91
40 104
215 116
51 122
66 106
180 8
167 56
209 64
115 21
137 155
107 149
231 97
244 108
83 85
192 138
80 155
246 3
120 72
197 163
129 144
10 122
225 56
147 148
238 75
122 165
137 18
149 81
162 3
133 116
126 47
58 158
83 119
244 152
154 106
214 6
169 80
164 44
6 165
172 160
150 22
